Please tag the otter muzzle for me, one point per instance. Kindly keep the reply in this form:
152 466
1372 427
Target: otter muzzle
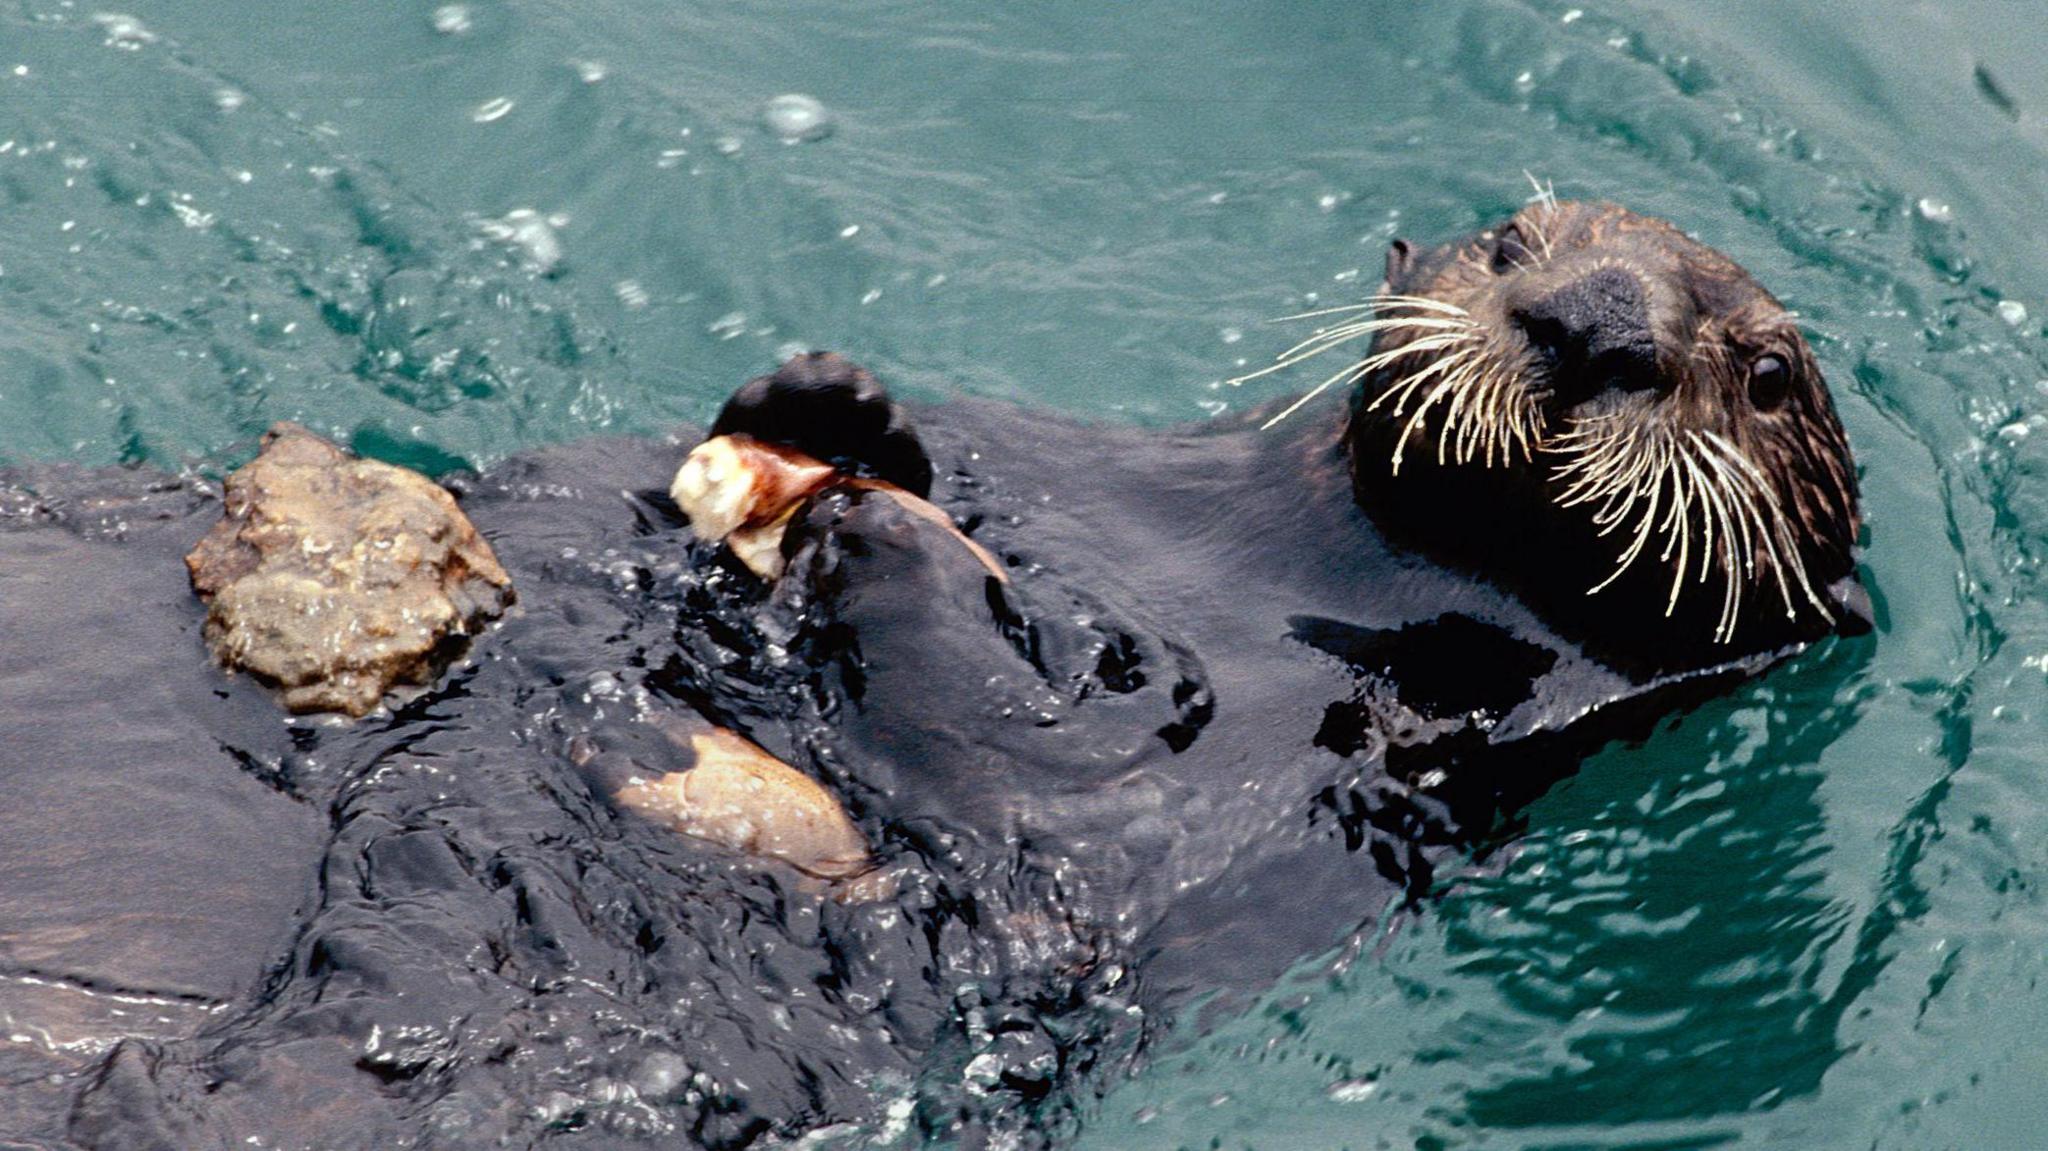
1595 332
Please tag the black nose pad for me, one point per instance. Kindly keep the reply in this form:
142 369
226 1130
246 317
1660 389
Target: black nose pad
1596 333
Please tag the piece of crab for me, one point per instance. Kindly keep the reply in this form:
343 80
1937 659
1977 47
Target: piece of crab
742 492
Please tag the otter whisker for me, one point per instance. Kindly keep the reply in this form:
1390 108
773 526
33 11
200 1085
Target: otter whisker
1351 372
1379 302
1632 482
1484 429
1741 567
1352 328
1485 410
1492 418
1424 302
1612 477
1601 460
1454 423
1454 384
1404 389
1678 528
1545 198
1476 401
1330 311
1525 427
1701 495
1448 341
1757 530
1716 514
1484 415
1447 317
1345 333
1451 380
1642 535
1456 354
1693 492
1639 479
1329 338
1729 508
1778 531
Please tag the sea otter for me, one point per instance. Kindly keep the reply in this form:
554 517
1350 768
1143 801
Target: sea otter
1052 725
1590 470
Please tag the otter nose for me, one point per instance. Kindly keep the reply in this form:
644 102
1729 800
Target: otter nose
1596 333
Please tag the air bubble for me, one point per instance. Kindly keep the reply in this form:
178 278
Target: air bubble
795 118
452 19
530 232
1352 1090
123 31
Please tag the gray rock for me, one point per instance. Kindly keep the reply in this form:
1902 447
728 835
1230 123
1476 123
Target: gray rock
335 578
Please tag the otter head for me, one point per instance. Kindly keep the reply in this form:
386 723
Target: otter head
1618 423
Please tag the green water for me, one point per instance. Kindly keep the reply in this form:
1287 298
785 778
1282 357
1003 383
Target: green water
1807 916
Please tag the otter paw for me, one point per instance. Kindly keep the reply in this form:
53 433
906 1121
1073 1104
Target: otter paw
832 409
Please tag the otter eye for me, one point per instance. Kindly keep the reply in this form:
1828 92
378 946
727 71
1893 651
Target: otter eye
1770 380
1510 250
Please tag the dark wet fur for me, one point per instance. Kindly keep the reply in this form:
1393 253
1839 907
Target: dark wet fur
1177 754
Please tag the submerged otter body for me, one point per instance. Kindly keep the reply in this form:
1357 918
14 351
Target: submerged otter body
1228 694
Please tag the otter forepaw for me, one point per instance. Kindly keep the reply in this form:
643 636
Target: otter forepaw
832 409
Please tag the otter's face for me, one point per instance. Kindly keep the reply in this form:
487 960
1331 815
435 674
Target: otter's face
1609 404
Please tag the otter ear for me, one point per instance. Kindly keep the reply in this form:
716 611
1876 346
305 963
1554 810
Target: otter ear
1854 613
1400 257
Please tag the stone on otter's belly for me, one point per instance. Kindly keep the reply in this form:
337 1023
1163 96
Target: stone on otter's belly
335 577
